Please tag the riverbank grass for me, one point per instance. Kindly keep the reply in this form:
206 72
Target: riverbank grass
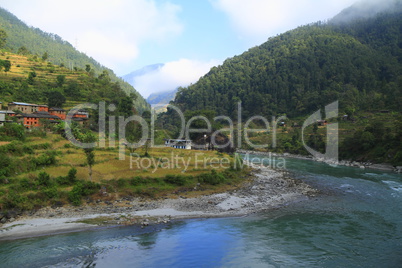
50 171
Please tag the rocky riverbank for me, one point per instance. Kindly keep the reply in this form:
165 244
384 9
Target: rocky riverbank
362 165
266 189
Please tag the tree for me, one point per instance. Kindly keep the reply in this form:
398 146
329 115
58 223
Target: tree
6 64
3 38
60 80
23 51
72 89
104 77
55 99
87 68
89 137
45 56
125 106
31 77
15 131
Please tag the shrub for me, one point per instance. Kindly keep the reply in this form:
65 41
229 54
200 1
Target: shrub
82 189
212 178
75 198
72 175
43 146
137 181
176 179
26 149
15 131
46 159
44 180
68 145
70 179
13 200
26 184
121 183
6 165
3 179
51 193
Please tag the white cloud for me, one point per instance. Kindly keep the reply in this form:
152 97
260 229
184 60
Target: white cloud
172 75
259 19
109 31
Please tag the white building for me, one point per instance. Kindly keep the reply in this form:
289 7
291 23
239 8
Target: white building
179 144
2 119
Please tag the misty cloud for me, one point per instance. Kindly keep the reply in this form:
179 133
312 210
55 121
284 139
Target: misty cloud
172 75
109 31
258 20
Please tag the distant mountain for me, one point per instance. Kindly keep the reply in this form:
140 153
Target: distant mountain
162 97
24 39
130 78
161 100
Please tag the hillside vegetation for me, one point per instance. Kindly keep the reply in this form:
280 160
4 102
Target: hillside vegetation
32 79
44 169
30 41
302 70
356 61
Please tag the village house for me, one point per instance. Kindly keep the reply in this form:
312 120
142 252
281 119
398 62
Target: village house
27 108
9 113
4 115
61 113
81 114
33 115
81 117
178 144
2 119
36 119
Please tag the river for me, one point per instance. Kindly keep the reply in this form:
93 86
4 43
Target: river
355 222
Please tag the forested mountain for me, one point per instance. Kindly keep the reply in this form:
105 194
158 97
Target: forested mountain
26 40
358 63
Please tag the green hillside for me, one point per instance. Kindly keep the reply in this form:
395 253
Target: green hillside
26 40
300 71
34 80
356 61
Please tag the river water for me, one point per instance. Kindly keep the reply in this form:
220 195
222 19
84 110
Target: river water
356 222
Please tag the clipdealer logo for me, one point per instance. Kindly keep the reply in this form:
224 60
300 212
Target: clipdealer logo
242 129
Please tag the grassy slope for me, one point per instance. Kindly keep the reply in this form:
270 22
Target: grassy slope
22 65
118 177
109 167
46 74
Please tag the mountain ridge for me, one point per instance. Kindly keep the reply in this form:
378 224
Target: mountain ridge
303 69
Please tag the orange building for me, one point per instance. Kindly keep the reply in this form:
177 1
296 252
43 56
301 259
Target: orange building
81 114
58 112
43 108
36 119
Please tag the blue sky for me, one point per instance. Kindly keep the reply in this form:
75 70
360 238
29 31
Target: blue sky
189 36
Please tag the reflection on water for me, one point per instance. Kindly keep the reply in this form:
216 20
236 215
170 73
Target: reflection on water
356 223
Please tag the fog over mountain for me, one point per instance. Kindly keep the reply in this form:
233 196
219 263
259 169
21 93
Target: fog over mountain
366 9
168 76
